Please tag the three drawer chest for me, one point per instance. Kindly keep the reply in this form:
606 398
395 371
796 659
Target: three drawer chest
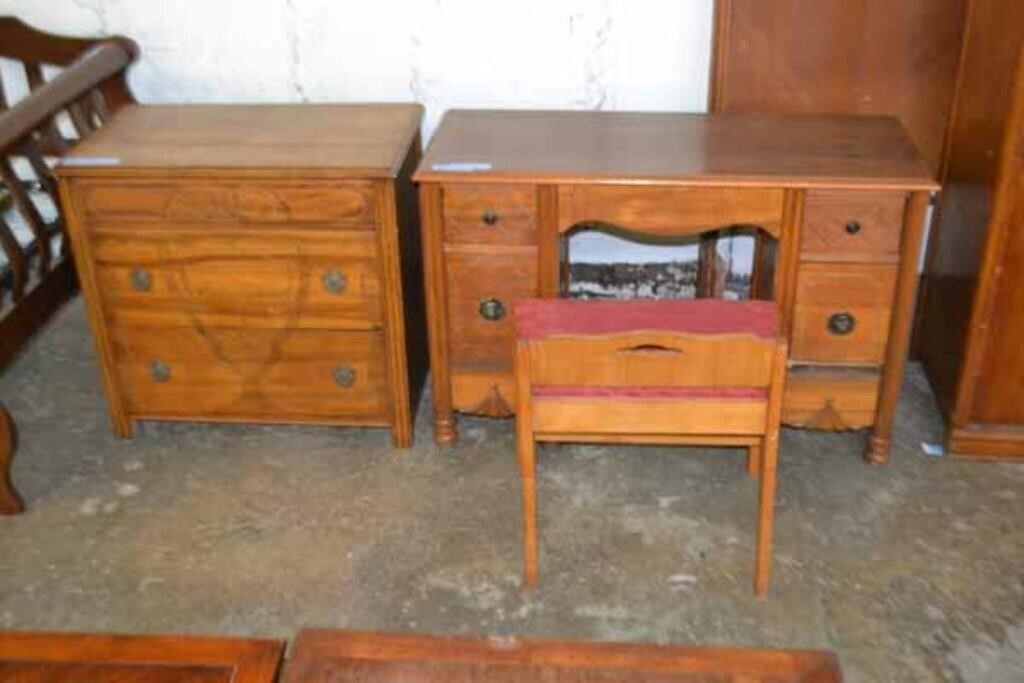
253 263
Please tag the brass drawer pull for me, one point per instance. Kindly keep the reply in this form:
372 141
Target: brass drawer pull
841 324
159 371
489 217
142 281
344 376
491 309
334 281
852 227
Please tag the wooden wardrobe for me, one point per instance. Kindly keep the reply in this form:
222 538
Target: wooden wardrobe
952 71
971 326
871 57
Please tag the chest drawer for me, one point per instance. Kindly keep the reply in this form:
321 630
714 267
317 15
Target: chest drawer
841 313
351 204
226 373
490 214
852 226
481 288
270 280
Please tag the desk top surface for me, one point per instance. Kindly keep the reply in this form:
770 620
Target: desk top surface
685 149
355 140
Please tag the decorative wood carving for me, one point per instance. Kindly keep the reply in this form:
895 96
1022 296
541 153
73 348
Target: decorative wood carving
493 405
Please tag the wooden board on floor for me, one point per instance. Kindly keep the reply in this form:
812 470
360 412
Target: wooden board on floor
320 656
77 658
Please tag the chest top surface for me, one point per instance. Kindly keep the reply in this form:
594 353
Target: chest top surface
685 149
352 140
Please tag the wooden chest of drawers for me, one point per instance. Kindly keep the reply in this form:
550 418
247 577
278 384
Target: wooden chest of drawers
246 263
842 199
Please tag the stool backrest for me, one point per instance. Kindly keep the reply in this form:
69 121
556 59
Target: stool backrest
649 344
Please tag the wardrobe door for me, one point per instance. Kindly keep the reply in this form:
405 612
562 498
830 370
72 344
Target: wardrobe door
882 57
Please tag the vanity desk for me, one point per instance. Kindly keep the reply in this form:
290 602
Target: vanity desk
843 199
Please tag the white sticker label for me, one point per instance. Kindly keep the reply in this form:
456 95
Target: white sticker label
462 166
91 161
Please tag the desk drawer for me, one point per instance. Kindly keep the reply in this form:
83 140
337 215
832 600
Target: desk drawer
270 280
226 373
852 226
348 205
842 313
490 214
670 210
482 285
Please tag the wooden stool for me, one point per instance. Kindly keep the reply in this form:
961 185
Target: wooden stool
694 372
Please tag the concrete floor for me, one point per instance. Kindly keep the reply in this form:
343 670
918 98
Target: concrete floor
912 572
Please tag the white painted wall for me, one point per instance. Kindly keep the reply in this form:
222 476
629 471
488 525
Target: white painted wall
556 54
565 54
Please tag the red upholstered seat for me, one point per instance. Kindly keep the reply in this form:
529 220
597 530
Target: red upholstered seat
538 318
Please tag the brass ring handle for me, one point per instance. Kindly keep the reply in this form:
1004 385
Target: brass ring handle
491 309
334 281
852 227
159 371
841 324
489 217
344 376
142 281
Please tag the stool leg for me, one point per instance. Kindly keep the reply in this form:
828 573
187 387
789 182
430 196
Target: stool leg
754 460
526 450
766 515
527 467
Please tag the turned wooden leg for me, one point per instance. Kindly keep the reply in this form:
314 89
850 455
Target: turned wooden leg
766 516
432 226
877 450
754 461
10 501
445 432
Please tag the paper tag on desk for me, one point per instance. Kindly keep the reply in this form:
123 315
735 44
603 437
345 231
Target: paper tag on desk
90 161
461 166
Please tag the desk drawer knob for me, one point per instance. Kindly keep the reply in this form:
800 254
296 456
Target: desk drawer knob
841 324
344 376
489 217
852 227
334 281
142 281
159 371
491 309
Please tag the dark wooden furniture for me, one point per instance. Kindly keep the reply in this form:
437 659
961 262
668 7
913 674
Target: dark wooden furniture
253 263
703 372
322 656
41 117
894 58
10 501
844 196
76 658
972 317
